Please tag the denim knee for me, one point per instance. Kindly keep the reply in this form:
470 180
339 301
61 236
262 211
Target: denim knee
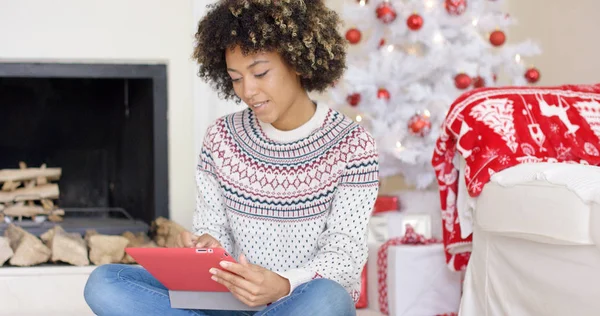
97 288
331 297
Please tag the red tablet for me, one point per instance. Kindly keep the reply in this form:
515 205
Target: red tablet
182 269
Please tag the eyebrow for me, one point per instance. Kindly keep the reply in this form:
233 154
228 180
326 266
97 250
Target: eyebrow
256 62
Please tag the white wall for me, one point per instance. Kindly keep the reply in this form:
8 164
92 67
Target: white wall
161 31
131 31
208 106
567 33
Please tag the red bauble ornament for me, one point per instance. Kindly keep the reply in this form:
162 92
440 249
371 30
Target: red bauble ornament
385 12
353 99
353 35
419 125
383 94
381 42
455 7
462 81
414 22
497 38
478 82
532 75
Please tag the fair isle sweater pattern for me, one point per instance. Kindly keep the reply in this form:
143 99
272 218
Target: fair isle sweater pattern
299 208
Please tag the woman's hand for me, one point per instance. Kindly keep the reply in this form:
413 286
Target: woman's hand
189 240
251 284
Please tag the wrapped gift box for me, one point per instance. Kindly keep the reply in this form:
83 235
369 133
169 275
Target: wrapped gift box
408 275
418 281
385 226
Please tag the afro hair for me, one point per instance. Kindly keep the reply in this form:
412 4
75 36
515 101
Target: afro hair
303 32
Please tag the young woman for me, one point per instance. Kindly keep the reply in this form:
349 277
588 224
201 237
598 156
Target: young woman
285 185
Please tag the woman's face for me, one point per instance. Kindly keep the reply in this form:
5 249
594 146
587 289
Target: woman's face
264 82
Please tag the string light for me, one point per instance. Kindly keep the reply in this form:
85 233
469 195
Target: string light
475 22
438 38
518 58
429 4
358 118
390 48
363 3
427 113
398 145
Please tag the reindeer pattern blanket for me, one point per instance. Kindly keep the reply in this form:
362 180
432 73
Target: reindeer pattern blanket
496 128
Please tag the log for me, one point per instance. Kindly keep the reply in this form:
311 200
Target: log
5 251
66 247
14 175
47 191
107 249
28 249
55 218
141 240
22 210
10 185
47 204
88 234
167 232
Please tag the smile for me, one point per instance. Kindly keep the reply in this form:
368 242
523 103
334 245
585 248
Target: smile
258 105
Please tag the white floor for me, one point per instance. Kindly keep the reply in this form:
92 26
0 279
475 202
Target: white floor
53 290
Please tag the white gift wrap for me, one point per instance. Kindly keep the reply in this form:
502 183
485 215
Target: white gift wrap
419 283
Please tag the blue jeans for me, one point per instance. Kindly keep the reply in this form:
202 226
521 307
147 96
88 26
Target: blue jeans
118 289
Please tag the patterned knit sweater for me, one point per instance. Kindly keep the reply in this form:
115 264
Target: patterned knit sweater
295 202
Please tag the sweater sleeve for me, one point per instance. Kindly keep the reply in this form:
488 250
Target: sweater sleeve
210 216
343 245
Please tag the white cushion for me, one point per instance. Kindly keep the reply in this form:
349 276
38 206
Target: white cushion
549 202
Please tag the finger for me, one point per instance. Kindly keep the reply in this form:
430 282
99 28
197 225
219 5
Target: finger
188 239
242 270
214 244
235 280
243 260
193 241
207 241
240 293
202 242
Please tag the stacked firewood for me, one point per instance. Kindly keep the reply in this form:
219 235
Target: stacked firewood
20 248
28 193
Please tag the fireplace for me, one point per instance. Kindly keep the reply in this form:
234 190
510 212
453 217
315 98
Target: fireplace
104 125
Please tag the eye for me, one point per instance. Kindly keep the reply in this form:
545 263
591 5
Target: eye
261 75
235 80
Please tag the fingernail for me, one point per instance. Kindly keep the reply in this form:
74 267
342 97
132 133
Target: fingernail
224 264
213 271
214 278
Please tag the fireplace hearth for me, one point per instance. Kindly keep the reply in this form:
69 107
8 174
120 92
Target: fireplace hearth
104 125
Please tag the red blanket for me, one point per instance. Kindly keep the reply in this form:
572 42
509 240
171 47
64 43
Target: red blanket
496 128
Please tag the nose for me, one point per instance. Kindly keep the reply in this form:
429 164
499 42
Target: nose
250 88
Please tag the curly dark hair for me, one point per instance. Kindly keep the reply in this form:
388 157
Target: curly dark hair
303 32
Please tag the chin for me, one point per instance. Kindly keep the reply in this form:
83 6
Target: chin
266 118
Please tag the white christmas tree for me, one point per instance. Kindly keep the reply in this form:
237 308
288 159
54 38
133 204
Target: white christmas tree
410 59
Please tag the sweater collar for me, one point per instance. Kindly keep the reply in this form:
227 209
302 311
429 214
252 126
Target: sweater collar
303 131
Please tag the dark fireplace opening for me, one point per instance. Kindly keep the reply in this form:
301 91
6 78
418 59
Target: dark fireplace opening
104 125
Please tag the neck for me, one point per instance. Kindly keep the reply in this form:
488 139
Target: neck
300 112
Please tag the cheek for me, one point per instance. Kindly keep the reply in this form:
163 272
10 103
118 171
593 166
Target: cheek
279 90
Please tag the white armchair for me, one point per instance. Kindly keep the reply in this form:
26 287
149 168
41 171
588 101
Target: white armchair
536 242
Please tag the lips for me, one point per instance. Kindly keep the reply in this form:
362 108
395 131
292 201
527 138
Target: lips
258 105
